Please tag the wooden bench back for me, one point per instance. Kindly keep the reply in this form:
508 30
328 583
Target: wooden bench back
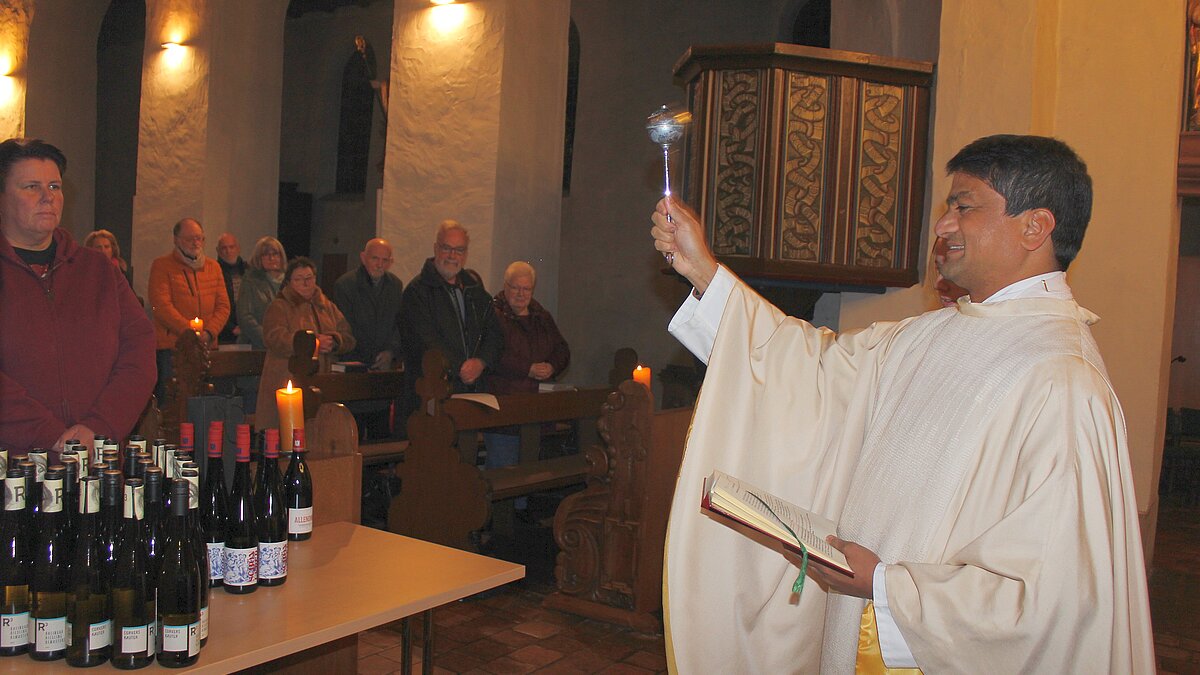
196 365
444 496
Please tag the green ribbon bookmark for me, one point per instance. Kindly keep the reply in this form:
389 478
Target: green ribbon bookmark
798 586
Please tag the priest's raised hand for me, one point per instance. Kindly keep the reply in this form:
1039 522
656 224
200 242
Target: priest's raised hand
682 236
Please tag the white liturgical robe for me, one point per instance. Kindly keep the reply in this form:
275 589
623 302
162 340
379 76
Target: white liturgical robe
979 450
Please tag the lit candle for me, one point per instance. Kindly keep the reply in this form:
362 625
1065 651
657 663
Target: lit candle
642 374
290 402
197 325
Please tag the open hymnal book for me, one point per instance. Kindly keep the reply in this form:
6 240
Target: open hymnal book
782 521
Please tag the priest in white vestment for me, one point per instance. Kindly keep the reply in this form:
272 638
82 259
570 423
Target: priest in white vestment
974 457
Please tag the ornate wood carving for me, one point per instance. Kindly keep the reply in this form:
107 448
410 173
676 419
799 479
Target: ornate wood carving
611 535
807 164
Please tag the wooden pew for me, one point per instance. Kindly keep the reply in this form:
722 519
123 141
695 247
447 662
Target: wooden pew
335 463
445 497
322 386
612 534
196 365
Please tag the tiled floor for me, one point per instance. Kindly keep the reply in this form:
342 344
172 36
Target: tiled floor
1175 590
508 631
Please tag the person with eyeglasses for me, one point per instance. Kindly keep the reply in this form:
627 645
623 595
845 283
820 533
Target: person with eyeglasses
185 284
534 352
300 306
446 306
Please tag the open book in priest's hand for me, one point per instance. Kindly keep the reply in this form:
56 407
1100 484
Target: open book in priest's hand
729 498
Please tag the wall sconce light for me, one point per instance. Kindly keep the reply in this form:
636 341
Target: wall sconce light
441 2
174 53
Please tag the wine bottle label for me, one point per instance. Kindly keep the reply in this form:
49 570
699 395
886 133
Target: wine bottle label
52 496
241 566
99 635
182 638
39 463
204 623
300 520
14 629
216 560
272 559
14 493
135 640
49 635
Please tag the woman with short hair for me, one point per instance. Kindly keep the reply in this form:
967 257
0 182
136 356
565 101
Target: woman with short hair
300 306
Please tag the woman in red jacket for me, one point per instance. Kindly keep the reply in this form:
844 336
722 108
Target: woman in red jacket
76 348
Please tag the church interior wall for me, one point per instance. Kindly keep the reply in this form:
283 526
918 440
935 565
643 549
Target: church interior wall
317 46
245 97
612 292
61 97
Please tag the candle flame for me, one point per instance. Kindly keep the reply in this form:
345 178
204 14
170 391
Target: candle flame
639 367
289 387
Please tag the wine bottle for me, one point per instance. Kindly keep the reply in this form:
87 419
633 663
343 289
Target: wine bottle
48 585
111 508
71 476
89 612
132 588
178 589
214 514
33 493
271 509
152 519
298 491
14 566
3 461
133 447
78 447
192 476
40 458
241 531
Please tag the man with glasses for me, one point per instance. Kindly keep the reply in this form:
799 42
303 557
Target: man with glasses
185 285
447 307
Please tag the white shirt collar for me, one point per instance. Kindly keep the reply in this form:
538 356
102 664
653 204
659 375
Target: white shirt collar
1048 285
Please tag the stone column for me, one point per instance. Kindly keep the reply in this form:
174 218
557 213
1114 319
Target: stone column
475 133
15 18
208 142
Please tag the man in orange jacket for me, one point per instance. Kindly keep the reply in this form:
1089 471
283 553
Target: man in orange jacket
185 285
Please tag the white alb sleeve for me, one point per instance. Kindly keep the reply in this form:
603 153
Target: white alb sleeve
892 644
695 323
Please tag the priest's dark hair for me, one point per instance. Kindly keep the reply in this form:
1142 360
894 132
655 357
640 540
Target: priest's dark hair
16 149
1033 172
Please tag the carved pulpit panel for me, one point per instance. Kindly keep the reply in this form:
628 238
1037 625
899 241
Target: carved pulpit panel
807 164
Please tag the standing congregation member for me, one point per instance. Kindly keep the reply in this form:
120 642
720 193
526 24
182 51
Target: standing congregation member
447 307
233 268
370 297
76 348
300 306
534 352
260 286
185 284
974 457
